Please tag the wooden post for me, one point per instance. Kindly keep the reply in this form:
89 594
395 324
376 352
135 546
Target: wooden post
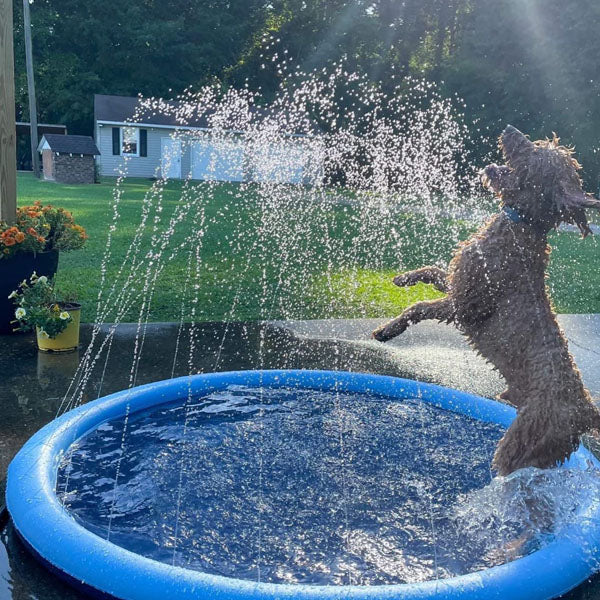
8 133
35 159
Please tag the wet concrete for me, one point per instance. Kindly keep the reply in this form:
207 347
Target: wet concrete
34 385
439 353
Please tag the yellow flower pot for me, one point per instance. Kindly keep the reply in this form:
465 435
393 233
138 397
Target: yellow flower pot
65 341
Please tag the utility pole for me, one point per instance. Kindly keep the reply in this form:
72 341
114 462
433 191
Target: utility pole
8 133
35 159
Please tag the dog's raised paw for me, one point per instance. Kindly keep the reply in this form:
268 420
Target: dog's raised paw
402 280
379 335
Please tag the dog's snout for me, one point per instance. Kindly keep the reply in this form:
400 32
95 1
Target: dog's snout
512 140
510 130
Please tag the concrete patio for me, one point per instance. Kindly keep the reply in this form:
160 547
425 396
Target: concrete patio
34 384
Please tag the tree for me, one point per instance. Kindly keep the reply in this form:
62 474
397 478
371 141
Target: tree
153 47
532 65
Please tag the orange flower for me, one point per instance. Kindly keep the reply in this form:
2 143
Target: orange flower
9 241
32 231
80 230
19 237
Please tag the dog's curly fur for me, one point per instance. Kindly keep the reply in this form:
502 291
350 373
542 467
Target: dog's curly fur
496 295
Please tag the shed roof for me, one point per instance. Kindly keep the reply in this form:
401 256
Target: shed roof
43 128
70 144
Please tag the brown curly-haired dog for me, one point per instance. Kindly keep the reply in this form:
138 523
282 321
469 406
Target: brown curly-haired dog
496 295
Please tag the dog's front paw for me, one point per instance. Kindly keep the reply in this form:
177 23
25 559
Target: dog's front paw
378 335
381 334
403 280
391 329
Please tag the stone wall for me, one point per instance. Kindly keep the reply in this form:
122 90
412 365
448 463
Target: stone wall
73 169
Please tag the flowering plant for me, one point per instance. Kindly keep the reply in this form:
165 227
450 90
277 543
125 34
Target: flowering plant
38 228
38 305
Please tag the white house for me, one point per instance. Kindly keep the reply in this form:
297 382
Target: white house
162 144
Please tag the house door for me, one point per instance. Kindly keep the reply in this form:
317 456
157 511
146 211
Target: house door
170 158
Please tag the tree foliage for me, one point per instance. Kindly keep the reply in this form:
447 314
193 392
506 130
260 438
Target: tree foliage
530 63
153 47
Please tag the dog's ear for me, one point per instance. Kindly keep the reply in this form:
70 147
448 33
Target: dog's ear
581 200
572 208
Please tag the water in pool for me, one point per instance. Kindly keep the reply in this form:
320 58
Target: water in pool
300 486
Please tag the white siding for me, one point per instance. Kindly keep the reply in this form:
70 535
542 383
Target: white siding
136 166
218 160
289 162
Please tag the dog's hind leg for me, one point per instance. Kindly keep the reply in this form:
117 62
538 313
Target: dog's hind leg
442 310
437 277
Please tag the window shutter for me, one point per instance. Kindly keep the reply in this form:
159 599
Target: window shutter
143 142
116 140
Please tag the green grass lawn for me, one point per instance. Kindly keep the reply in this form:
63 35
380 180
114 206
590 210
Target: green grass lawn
259 259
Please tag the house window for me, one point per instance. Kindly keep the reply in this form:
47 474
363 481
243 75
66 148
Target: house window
130 141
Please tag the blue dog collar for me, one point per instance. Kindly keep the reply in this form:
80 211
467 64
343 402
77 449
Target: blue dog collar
540 229
512 214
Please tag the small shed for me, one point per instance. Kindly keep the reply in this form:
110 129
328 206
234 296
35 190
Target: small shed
68 158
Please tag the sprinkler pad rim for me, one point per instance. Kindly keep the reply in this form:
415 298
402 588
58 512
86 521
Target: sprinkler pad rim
107 570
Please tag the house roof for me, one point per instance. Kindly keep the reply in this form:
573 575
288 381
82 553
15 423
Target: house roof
122 109
69 144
